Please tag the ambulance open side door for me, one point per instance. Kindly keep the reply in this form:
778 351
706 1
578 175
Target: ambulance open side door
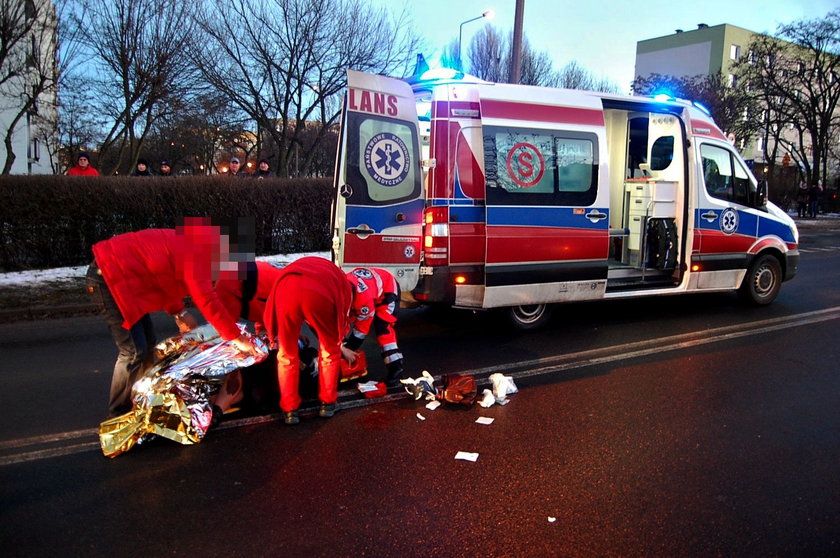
378 205
547 218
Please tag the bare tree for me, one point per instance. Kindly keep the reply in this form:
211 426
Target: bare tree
732 106
139 52
798 80
537 67
28 71
487 54
283 62
489 59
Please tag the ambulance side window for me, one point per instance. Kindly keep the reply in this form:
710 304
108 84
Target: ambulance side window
725 177
540 167
382 160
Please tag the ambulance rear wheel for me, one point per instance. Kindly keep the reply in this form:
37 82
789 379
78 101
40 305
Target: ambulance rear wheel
763 281
529 316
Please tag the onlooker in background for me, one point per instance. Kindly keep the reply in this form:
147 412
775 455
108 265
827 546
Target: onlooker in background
137 273
142 168
165 169
83 167
802 199
235 168
263 170
814 195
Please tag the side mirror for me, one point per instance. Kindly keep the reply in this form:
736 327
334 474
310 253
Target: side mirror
761 194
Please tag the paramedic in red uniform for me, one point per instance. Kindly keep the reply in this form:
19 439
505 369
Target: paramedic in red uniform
314 290
377 297
136 273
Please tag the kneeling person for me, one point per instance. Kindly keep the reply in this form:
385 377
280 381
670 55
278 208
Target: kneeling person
377 295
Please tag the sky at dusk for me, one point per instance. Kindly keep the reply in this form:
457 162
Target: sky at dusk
601 35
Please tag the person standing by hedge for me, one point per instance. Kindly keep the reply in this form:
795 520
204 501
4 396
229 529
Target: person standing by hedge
82 166
142 168
137 273
235 169
165 169
263 170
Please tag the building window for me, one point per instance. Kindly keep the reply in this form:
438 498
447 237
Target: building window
734 52
732 80
759 145
34 150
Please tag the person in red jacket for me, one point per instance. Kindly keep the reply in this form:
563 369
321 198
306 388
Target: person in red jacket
82 167
136 273
314 290
377 297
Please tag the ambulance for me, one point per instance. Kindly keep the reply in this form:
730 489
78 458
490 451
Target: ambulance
485 195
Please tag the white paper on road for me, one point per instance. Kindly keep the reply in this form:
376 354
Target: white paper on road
484 420
487 399
421 417
466 456
432 405
367 386
551 519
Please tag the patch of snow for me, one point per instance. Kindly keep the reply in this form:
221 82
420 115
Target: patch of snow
59 274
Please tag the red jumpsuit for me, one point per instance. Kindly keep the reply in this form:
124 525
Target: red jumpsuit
230 292
314 290
376 299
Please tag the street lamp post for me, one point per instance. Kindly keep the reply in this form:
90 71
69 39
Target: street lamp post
488 15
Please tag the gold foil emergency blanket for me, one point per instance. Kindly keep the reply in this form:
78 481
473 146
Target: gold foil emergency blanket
173 399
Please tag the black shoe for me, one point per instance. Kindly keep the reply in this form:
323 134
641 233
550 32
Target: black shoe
395 374
291 417
327 410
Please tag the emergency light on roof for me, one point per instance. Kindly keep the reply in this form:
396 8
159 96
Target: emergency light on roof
441 73
663 98
702 108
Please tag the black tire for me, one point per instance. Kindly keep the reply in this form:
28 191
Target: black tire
763 280
529 316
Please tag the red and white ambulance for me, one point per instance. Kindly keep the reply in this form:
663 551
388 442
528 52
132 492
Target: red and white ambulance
485 195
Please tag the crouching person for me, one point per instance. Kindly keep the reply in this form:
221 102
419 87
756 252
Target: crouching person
377 295
137 273
314 290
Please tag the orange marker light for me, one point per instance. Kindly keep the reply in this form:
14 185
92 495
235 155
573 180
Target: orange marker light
460 279
695 267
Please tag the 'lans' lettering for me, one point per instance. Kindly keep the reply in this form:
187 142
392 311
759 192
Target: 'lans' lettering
376 103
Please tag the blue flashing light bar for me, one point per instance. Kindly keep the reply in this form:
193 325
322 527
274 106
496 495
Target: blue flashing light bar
441 74
702 108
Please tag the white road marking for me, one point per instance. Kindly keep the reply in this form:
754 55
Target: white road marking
535 367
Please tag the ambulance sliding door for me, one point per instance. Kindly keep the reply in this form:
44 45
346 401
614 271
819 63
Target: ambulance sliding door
547 238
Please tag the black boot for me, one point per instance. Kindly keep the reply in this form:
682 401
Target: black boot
291 417
395 373
327 410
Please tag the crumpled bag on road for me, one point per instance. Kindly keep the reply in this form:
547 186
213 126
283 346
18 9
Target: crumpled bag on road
502 387
174 398
457 388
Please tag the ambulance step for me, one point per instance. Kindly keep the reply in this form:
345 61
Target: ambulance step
628 279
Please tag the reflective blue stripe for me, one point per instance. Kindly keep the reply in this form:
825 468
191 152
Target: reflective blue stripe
531 216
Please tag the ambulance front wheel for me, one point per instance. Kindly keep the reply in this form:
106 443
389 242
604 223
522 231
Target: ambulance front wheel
763 281
530 316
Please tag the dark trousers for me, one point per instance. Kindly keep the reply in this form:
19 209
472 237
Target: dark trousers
134 345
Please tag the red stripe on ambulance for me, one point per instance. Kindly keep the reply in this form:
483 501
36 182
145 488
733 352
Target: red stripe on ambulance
545 244
542 113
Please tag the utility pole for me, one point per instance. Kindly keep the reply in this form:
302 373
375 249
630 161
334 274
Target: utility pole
516 47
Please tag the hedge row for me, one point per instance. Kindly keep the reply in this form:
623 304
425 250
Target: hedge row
52 221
